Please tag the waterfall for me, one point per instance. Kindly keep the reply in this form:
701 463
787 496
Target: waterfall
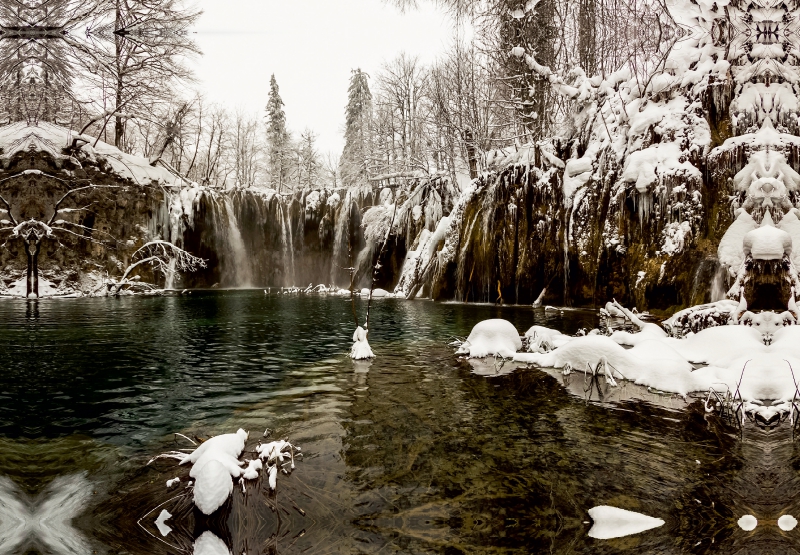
170 283
287 243
338 233
243 275
719 284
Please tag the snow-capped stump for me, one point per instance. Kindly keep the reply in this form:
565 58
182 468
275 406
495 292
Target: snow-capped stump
491 337
361 349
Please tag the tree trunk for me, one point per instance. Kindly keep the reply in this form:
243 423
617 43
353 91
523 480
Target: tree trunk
469 139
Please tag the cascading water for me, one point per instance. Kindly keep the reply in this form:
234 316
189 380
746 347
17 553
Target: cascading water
242 275
719 285
170 280
287 244
339 242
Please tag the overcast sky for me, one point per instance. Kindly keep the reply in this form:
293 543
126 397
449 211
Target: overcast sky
310 46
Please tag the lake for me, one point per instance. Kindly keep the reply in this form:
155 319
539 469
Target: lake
416 451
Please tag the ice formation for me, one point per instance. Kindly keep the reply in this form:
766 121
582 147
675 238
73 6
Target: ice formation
161 522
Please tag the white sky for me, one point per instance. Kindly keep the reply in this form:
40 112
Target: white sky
310 46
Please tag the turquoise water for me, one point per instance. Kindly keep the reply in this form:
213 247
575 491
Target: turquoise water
413 452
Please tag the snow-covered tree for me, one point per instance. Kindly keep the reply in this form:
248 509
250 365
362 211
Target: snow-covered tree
354 162
278 140
309 165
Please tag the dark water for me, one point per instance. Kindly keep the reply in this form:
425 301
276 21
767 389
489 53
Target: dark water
410 453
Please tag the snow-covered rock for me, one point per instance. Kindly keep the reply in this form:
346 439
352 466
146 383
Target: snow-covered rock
492 337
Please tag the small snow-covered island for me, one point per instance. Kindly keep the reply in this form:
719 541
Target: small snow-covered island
533 288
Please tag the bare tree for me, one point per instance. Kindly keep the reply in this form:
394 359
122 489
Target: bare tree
309 159
247 150
163 256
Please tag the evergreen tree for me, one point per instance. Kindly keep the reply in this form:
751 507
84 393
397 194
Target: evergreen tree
308 159
354 164
278 143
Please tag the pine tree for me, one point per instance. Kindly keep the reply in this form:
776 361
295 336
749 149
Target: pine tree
354 163
278 142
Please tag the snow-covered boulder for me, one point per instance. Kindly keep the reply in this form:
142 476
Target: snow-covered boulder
492 337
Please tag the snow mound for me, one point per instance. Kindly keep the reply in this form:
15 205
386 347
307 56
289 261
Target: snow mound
492 337
767 243
611 522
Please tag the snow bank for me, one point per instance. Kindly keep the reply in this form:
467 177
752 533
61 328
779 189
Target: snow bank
377 293
650 363
50 138
492 337
611 522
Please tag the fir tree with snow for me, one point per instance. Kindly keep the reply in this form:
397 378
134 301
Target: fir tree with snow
278 139
355 160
